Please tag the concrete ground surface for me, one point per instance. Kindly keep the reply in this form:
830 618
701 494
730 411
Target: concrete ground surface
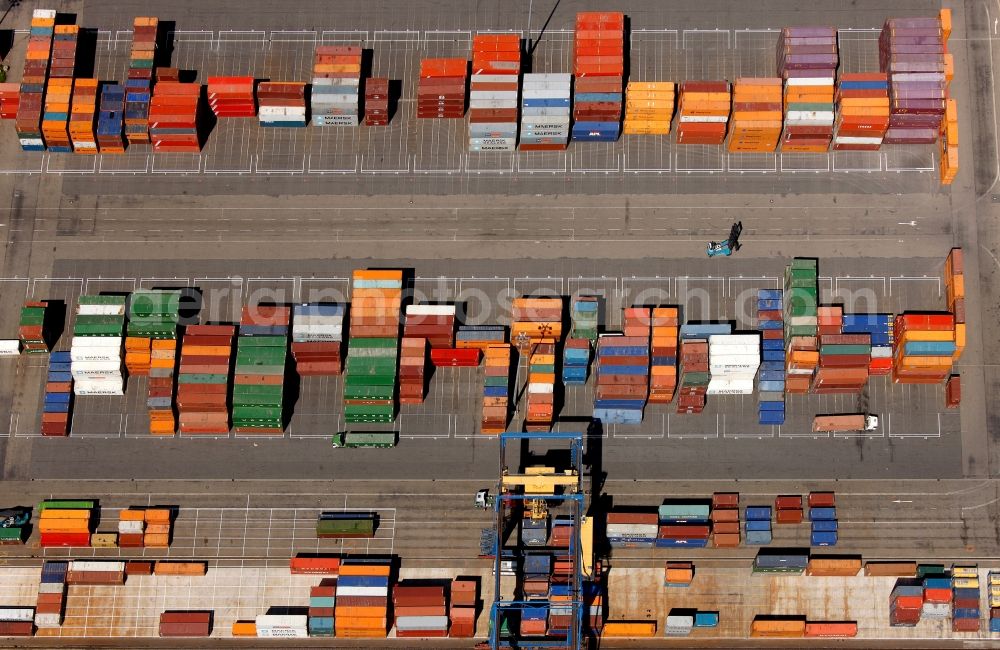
292 214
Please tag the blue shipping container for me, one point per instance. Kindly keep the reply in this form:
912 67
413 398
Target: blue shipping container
758 513
823 539
819 514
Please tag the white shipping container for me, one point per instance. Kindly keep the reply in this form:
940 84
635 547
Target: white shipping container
557 77
86 367
881 352
734 339
616 530
131 527
421 622
430 310
282 632
281 621
799 371
494 78
43 13
538 388
809 81
17 614
318 320
803 320
335 81
497 95
705 118
850 139
31 142
100 310
492 142
809 115
10 347
730 386
85 392
362 591
95 565
51 587
48 621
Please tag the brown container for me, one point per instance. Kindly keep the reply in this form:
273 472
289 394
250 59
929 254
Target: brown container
727 540
726 500
953 392
891 569
138 568
726 527
788 502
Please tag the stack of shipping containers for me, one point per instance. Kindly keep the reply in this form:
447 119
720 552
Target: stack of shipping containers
684 524
232 96
622 378
362 598
36 69
57 409
59 89
463 608
173 117
51 595
412 366
441 88
496 389
757 520
912 53
493 92
259 380
377 101
10 94
322 603
649 107
420 611
756 121
83 116
370 384
281 104
96 348
535 319
203 379
807 61
879 329
993 584
317 334
150 349
733 363
139 83
726 519
110 121
336 85
31 328
436 323
694 375
788 509
599 75
584 317
545 111
64 523
843 362
632 529
576 360
541 386
948 143
663 352
801 305
954 282
862 111
703 112
924 348
771 386
965 609
480 337
822 519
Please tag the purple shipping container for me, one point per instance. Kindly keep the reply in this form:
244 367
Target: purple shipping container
809 32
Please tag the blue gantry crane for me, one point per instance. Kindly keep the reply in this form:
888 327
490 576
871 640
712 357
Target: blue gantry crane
527 499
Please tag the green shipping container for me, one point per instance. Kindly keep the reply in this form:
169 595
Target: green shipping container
367 343
11 535
65 504
101 300
369 392
840 348
200 378
353 379
805 262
